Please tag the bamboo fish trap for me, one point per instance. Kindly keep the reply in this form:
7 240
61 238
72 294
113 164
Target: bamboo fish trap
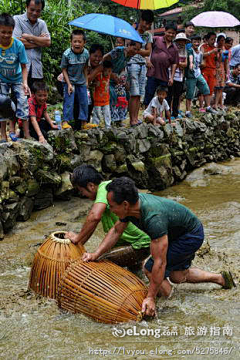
50 262
103 291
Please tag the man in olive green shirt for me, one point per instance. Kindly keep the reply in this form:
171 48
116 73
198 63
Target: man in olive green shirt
133 245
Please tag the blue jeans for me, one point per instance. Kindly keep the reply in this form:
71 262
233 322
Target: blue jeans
151 87
80 91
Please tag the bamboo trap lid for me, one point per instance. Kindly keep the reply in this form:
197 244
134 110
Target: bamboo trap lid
103 291
50 262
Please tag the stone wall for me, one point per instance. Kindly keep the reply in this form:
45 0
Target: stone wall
33 174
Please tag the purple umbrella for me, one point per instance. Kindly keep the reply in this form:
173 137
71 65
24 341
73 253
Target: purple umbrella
215 19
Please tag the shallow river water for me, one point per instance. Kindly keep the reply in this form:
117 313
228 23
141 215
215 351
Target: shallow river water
200 321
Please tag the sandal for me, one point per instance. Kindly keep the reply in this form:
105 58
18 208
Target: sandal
89 126
65 125
3 141
229 282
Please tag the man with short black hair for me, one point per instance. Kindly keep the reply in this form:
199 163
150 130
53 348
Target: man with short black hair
176 234
34 35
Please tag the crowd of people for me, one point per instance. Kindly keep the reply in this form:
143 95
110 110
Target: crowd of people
157 73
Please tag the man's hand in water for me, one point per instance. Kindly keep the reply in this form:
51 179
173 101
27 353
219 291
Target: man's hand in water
89 257
72 236
148 306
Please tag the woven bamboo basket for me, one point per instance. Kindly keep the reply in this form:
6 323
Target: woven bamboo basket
50 262
103 291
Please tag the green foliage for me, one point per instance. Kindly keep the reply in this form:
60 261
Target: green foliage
12 7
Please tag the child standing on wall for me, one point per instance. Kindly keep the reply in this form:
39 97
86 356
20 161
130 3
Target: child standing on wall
156 107
74 68
13 75
101 96
40 122
194 78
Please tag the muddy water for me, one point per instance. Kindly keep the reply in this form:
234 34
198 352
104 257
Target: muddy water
198 322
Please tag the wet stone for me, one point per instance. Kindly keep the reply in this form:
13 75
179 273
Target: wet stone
26 207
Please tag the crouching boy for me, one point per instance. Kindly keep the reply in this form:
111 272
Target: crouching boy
40 122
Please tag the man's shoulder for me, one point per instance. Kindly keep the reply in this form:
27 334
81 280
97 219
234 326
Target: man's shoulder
42 22
103 184
21 17
102 192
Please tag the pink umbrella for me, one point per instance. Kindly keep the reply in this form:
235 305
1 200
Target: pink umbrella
215 19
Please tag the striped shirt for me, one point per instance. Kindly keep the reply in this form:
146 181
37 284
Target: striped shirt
23 25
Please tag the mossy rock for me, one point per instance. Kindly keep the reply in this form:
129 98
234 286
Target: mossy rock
33 187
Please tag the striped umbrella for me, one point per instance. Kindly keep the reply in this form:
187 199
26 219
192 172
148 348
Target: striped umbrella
146 4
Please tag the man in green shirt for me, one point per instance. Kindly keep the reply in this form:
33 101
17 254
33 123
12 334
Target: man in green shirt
175 232
133 245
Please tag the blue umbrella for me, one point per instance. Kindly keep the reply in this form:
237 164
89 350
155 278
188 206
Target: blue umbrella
107 24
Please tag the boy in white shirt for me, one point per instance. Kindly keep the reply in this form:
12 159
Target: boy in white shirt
154 111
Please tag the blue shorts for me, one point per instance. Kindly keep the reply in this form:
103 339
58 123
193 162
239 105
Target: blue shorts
181 251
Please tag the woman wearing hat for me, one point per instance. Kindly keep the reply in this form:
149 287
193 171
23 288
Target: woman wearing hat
176 90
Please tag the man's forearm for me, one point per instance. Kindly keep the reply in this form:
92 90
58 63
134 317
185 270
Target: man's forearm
156 279
108 242
27 44
40 41
236 86
87 230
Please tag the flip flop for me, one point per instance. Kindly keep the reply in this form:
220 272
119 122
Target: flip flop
3 141
229 282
